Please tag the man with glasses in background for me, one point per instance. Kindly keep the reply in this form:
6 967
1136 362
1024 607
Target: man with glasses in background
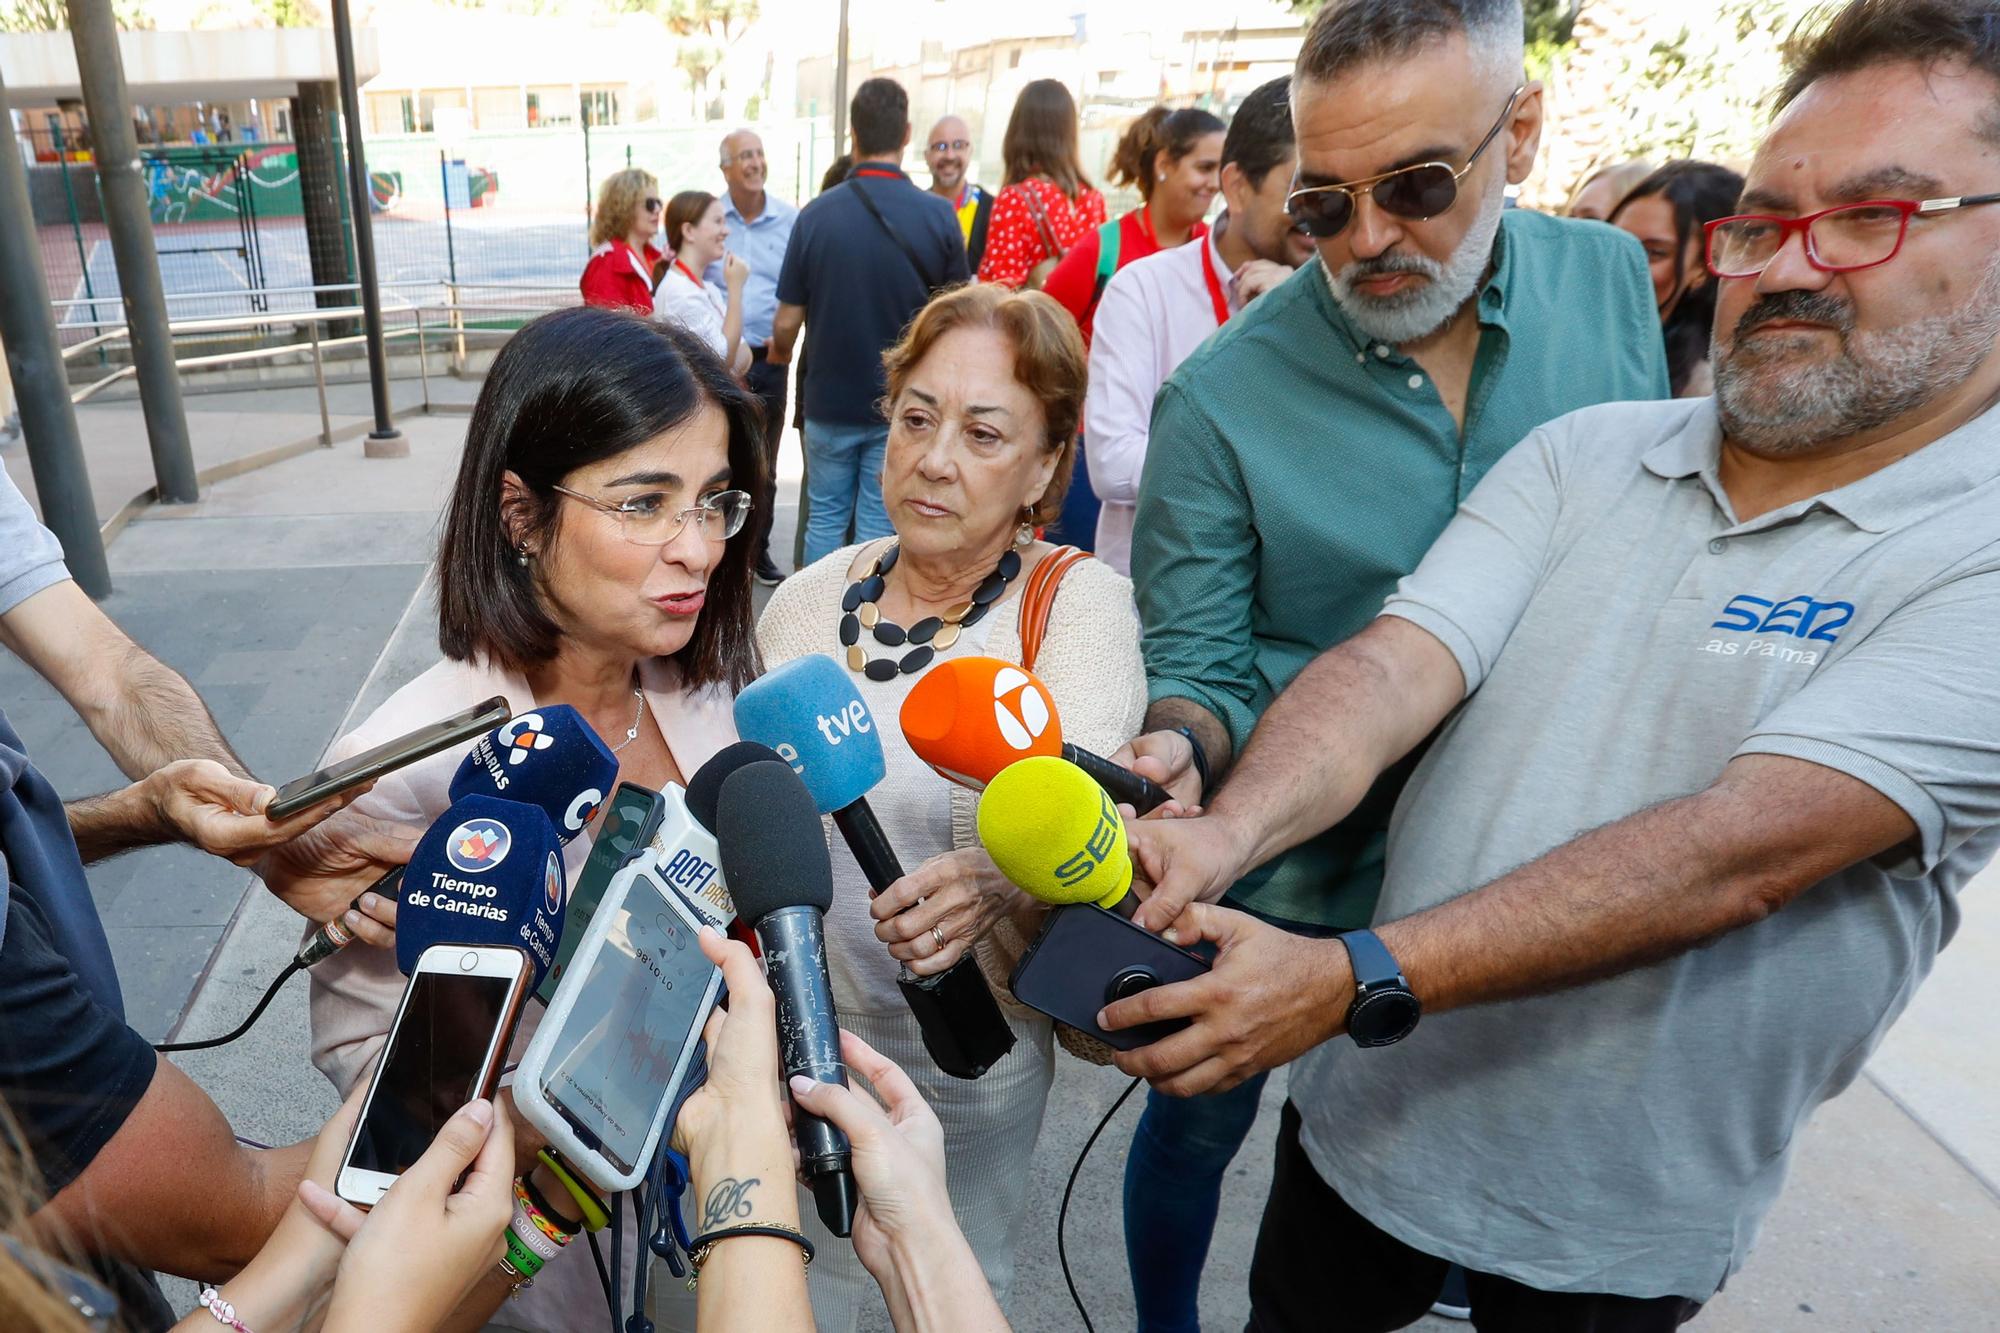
760 226
1305 457
1722 678
948 153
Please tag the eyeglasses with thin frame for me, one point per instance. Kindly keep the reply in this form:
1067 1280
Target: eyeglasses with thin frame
645 520
950 145
1419 191
1843 239
746 155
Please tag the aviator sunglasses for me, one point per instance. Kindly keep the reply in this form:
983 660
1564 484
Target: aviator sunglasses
1420 191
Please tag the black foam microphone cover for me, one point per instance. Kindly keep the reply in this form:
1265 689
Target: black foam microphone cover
704 789
775 859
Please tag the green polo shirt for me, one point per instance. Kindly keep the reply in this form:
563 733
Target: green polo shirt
1297 470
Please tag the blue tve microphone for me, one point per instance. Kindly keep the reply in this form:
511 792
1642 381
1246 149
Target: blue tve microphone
809 712
487 872
548 757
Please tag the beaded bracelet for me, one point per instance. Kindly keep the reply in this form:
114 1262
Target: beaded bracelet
698 1252
223 1311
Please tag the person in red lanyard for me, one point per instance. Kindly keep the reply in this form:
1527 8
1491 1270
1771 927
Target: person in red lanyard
1046 204
1157 310
1174 158
622 254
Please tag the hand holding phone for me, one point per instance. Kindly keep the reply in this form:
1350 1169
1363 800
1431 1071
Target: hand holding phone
451 1031
387 757
410 1260
1085 958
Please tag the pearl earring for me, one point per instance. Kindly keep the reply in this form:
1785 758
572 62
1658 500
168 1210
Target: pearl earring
521 553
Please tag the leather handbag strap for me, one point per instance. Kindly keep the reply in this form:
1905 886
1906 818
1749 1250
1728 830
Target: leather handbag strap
1039 598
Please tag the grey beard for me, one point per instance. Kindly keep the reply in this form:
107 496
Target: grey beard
1786 406
1421 311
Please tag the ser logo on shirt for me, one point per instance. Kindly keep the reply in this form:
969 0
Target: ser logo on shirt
1772 622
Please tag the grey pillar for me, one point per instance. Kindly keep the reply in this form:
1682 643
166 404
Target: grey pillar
385 441
34 360
313 117
840 144
129 222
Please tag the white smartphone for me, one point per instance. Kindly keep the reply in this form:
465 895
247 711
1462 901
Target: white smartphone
451 1032
606 1064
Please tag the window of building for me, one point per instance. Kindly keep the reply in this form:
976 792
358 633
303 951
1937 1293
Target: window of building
600 106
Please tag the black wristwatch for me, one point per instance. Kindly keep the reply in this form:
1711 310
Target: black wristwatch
1385 1010
1200 757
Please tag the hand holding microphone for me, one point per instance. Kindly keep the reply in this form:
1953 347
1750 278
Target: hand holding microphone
549 758
809 712
973 716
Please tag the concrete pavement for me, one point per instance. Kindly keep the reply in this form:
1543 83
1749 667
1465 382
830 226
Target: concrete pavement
1891 1219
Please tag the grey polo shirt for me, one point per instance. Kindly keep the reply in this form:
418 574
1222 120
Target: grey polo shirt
1624 637
31 558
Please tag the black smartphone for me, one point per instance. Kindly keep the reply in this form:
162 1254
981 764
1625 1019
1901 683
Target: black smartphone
334 779
634 815
1085 957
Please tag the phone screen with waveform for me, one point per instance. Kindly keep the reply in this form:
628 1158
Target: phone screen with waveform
635 1013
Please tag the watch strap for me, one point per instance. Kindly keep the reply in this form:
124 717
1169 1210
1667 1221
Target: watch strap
1371 960
1200 756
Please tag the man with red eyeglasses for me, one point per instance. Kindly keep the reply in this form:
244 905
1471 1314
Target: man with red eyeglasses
1719 686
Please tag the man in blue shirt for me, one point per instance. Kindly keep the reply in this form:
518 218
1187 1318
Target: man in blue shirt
760 226
866 257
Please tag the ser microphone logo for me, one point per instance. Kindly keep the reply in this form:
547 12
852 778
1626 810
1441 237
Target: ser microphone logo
1095 848
1020 709
477 845
523 735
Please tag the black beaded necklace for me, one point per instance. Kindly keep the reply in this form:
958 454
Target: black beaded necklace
930 636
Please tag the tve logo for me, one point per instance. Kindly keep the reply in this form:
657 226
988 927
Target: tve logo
1801 617
847 721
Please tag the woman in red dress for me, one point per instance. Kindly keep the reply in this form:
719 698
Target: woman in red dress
1047 204
622 254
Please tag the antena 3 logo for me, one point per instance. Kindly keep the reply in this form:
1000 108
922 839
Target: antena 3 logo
1771 623
521 736
478 845
1020 709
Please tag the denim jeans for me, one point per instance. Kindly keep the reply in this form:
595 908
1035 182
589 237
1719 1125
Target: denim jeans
1173 1185
1173 1189
843 486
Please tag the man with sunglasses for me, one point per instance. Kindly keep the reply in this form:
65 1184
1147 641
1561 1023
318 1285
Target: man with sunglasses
1723 745
1303 458
948 153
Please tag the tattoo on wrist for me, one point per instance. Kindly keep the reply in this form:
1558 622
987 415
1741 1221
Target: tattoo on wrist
728 1202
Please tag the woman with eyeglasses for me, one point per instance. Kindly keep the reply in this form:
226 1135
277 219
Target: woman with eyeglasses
619 274
593 553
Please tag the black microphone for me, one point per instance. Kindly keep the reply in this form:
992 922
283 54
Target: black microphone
774 857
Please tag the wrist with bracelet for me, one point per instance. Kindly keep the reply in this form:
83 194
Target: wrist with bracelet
698 1251
1199 756
534 1236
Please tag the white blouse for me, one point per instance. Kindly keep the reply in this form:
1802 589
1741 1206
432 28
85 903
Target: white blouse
695 306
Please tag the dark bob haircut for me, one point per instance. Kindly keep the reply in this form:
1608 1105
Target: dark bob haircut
572 388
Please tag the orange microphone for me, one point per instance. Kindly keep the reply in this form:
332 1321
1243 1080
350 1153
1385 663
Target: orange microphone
971 717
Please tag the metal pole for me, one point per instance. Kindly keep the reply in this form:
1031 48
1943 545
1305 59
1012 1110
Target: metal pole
450 249
128 219
385 441
34 361
319 381
840 86
75 218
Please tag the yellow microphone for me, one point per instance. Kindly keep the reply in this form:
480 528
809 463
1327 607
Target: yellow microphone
1054 832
